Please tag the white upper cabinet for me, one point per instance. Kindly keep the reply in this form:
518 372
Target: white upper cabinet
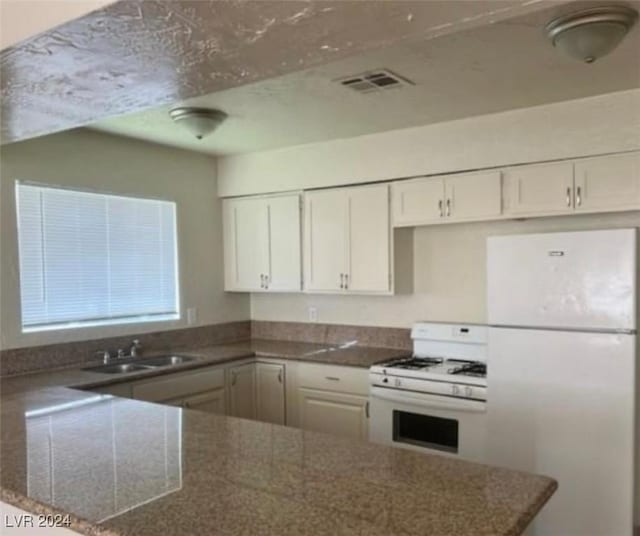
325 244
607 183
369 243
449 199
348 240
262 244
473 196
285 259
539 190
418 202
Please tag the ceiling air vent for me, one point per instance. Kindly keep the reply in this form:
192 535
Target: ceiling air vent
374 81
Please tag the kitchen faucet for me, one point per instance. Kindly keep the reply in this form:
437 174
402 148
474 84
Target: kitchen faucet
135 350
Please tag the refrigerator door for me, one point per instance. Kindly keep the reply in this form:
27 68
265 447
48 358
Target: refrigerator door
580 280
562 404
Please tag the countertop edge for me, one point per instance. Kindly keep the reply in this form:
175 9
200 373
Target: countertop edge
77 524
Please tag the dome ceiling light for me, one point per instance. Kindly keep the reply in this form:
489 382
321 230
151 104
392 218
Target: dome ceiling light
199 121
592 33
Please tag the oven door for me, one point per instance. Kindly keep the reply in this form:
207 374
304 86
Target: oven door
428 423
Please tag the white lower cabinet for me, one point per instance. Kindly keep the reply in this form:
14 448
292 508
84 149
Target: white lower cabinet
325 398
210 401
333 399
333 413
242 391
270 393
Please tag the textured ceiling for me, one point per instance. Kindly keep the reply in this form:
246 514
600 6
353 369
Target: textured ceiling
486 69
136 54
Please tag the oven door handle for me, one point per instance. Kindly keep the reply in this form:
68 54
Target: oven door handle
427 400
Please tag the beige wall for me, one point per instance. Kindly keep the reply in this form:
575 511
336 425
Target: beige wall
103 162
595 125
449 277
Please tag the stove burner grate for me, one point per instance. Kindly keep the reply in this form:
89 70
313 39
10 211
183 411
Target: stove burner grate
415 363
470 369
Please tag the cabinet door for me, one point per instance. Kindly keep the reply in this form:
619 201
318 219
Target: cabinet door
369 242
325 239
474 196
270 399
539 190
209 401
242 391
608 183
284 243
246 243
417 202
333 413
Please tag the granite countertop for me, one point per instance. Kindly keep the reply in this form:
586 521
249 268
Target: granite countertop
126 467
346 355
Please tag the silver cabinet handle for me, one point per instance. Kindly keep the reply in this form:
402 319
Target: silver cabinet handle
332 378
579 196
341 280
233 378
366 409
448 207
280 376
261 280
346 280
440 208
266 281
568 197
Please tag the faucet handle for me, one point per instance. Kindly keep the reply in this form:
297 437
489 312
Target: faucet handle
136 348
105 355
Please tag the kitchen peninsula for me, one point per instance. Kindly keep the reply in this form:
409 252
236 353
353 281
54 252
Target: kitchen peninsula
121 466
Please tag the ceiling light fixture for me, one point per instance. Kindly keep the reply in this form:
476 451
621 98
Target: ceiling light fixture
592 33
199 121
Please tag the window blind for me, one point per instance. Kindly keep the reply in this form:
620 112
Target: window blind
92 258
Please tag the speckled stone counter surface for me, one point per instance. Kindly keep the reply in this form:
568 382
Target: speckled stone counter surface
347 355
127 467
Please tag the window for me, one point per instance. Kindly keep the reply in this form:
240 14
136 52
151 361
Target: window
91 258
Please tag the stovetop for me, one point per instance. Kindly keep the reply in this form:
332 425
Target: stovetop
435 368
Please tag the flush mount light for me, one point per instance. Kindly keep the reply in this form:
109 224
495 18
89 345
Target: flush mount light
199 121
592 33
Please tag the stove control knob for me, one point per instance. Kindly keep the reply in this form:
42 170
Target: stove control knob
455 390
468 391
385 380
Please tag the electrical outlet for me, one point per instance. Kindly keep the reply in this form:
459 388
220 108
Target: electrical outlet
192 316
313 313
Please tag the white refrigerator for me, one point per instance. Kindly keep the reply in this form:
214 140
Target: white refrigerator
562 372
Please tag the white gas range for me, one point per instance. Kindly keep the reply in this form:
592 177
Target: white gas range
435 400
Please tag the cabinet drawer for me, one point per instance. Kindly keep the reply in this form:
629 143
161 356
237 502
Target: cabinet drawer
334 378
179 385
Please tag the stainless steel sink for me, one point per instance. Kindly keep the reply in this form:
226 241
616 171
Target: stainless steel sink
120 368
166 360
141 364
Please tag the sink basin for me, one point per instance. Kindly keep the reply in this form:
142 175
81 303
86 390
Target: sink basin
120 368
166 360
141 364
